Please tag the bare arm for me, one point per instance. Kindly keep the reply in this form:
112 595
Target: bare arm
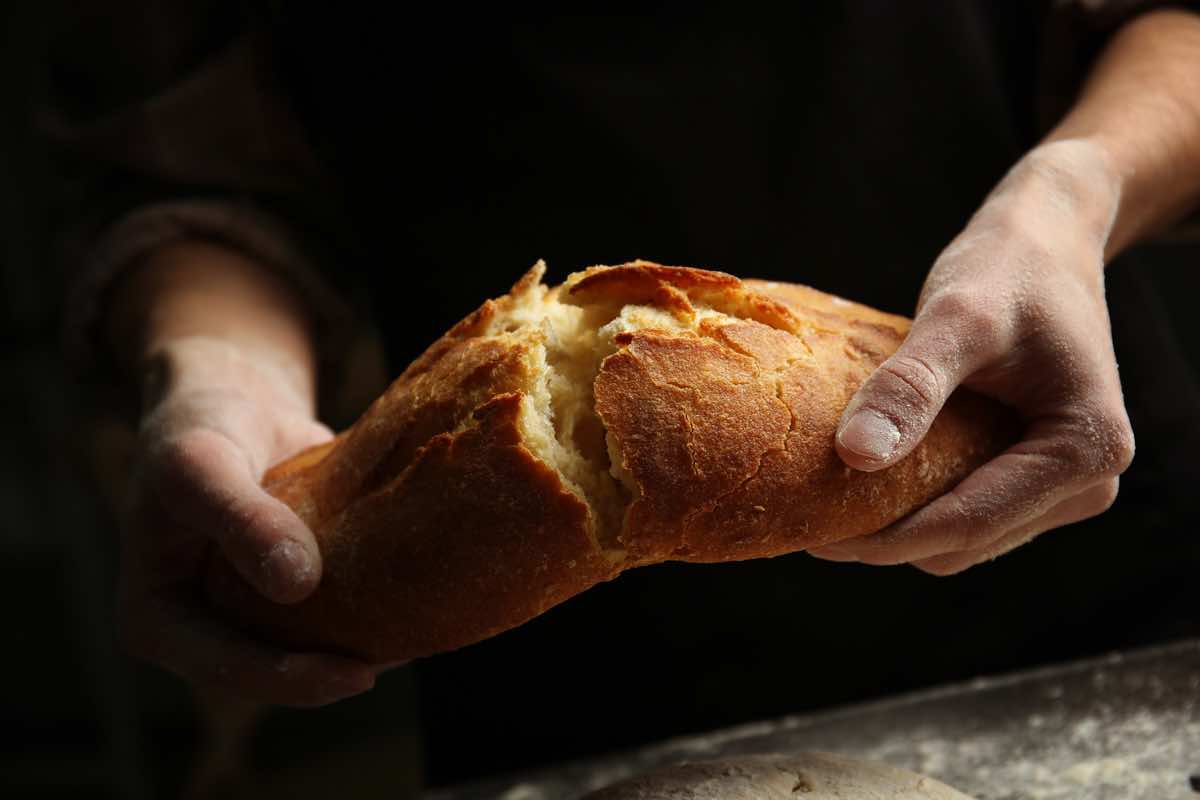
1015 308
1140 107
194 289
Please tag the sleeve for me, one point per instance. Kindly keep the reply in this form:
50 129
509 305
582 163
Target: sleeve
167 123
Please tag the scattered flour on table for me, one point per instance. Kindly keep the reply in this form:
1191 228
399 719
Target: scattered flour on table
1140 755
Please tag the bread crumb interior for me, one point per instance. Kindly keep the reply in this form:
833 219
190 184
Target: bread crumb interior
559 419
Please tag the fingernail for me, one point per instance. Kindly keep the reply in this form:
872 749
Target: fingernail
870 435
286 569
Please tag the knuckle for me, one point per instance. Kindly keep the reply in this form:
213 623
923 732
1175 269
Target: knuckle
966 521
916 377
958 527
1119 444
184 456
951 305
1099 444
245 518
970 317
1073 455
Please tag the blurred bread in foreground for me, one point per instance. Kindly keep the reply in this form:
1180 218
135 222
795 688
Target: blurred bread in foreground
815 776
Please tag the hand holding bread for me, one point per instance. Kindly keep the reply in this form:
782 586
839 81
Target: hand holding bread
221 348
558 436
1015 309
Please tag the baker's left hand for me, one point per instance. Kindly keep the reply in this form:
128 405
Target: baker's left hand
1014 308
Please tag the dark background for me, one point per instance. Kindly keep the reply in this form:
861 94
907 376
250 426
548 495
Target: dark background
662 651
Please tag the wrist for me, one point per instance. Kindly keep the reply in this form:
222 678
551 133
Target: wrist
218 366
1139 105
1069 185
197 307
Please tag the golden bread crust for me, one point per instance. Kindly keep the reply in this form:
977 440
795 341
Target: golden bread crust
729 432
474 537
441 520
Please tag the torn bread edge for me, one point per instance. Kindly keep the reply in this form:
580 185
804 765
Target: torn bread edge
577 326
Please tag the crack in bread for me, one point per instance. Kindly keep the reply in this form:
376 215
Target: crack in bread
557 436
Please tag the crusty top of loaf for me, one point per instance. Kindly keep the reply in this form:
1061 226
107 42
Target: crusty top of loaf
789 307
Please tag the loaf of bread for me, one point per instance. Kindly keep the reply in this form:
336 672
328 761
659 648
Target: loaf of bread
558 436
777 776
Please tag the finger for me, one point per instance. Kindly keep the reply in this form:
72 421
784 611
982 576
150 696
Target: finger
207 654
1084 505
391 665
309 435
1012 489
893 409
205 483
832 553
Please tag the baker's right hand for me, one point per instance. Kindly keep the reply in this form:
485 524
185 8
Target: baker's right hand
227 369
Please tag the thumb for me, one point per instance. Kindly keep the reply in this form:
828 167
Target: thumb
893 409
204 479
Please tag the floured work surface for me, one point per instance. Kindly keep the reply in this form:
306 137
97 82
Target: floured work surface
1126 726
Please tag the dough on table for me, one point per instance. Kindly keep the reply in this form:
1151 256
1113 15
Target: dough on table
811 776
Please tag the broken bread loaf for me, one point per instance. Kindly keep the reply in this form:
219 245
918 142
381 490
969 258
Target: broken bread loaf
558 436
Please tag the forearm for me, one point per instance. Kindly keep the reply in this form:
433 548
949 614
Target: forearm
1139 111
197 291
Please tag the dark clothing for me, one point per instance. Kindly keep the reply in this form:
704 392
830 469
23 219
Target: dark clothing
837 144
841 145
433 159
